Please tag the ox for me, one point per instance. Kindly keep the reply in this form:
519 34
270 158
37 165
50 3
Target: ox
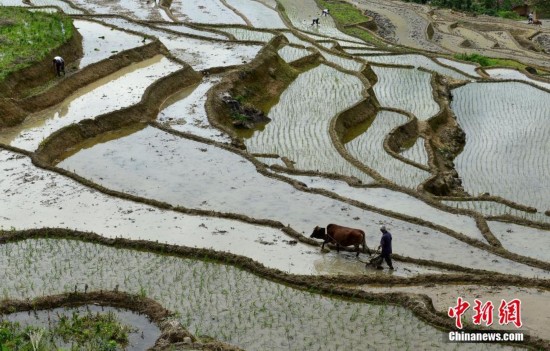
537 23
341 236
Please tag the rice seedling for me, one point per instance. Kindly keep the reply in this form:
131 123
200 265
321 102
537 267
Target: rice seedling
492 153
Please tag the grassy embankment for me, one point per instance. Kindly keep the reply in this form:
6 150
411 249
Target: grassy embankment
346 15
27 37
485 61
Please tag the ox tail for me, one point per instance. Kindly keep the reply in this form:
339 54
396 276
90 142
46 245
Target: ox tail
365 247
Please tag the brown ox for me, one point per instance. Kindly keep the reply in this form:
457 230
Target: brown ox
537 23
341 236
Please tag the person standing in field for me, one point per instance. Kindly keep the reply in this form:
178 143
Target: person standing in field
385 244
315 21
530 18
59 65
325 12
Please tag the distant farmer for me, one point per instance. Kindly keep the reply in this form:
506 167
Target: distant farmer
325 12
530 18
385 244
59 65
315 21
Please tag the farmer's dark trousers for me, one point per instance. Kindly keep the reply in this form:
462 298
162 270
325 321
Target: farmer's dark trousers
387 258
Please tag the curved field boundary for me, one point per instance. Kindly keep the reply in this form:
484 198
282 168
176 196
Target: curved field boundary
147 109
420 305
172 333
90 74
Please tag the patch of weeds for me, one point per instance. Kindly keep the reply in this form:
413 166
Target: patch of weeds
238 116
100 331
27 37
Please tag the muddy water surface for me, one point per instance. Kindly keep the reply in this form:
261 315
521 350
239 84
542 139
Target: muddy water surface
206 11
417 61
144 333
100 42
185 111
522 240
394 201
221 301
118 90
259 15
154 164
289 53
467 68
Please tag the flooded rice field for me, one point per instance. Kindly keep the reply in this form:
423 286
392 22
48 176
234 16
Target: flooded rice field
368 148
191 180
100 42
406 89
299 127
118 90
290 53
207 297
142 335
515 153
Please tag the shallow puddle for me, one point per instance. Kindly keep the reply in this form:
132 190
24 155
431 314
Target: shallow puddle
212 299
535 304
368 148
523 240
505 73
142 336
206 11
289 53
406 89
299 127
259 15
295 40
467 68
100 42
118 90
185 111
417 61
515 153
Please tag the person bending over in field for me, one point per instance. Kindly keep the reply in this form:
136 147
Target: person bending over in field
59 65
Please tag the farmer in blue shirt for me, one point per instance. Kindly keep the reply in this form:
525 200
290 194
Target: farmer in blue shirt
385 244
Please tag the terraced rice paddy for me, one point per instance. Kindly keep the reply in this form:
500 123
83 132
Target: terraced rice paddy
208 11
189 181
509 152
121 89
467 68
406 89
259 15
100 42
290 53
503 73
299 129
143 333
417 61
248 35
368 148
206 294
